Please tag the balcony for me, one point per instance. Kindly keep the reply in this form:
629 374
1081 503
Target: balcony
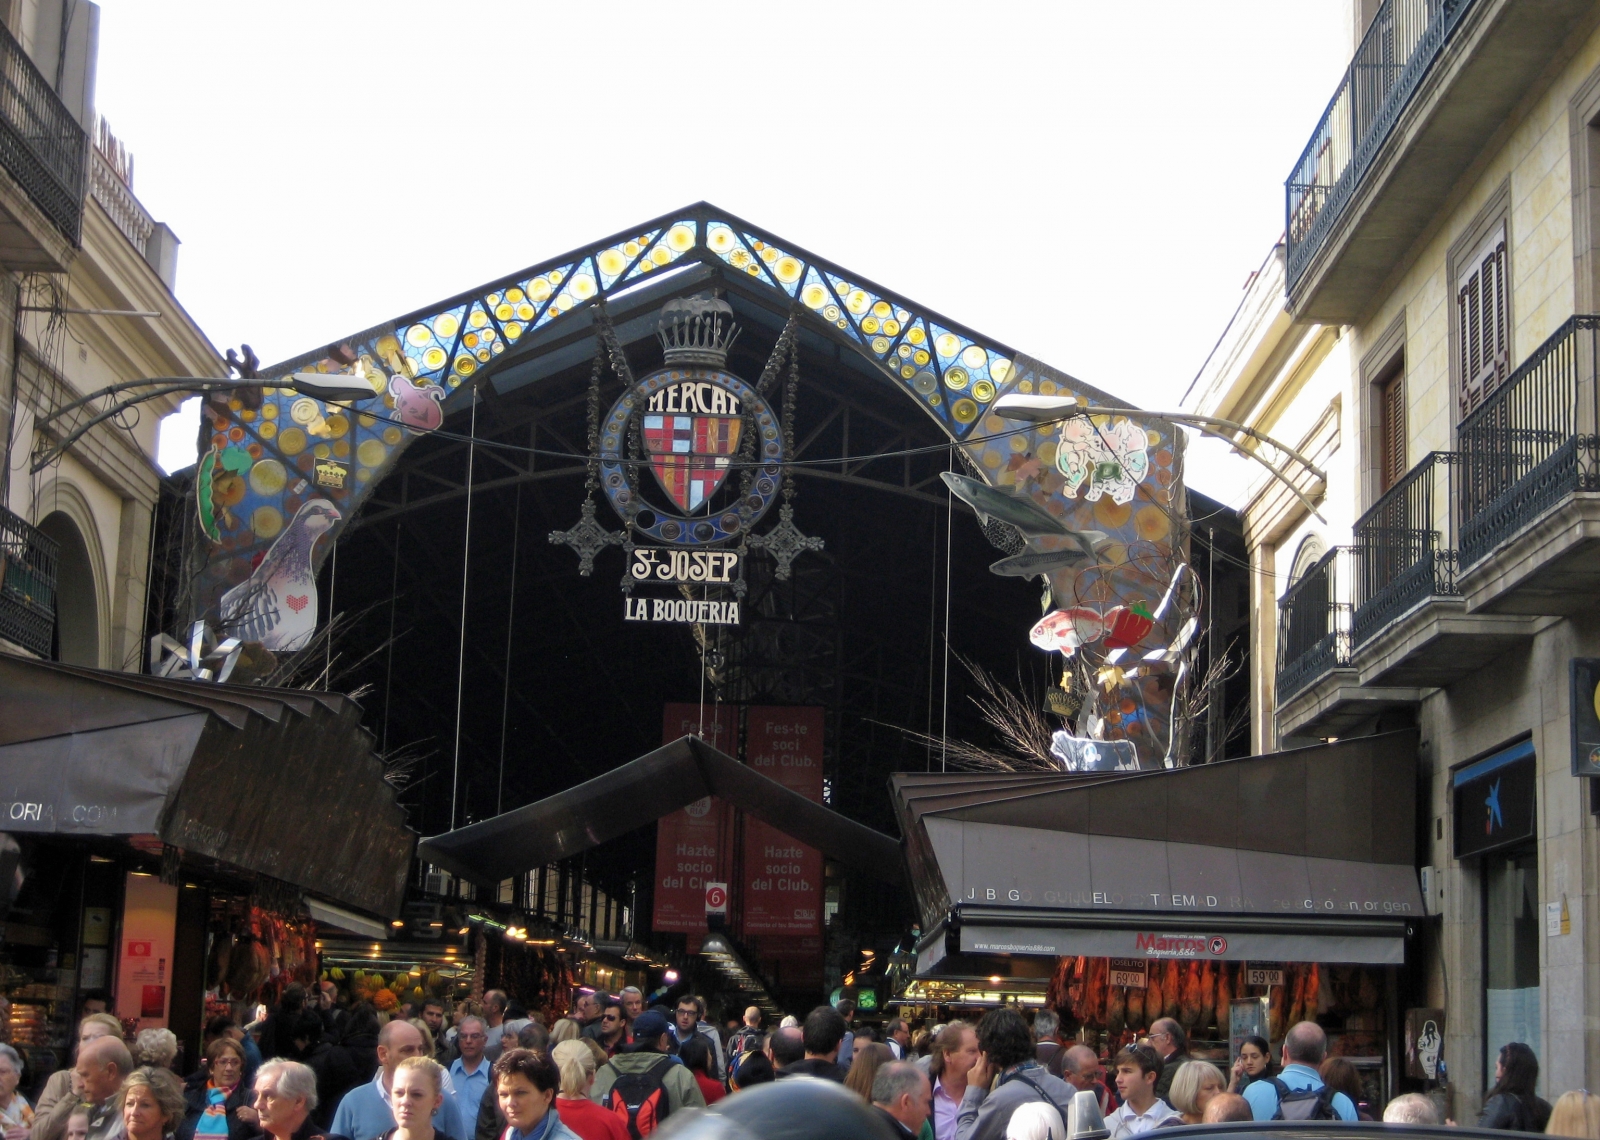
43 148
113 189
1319 693
1530 516
1426 90
1410 625
27 586
1314 625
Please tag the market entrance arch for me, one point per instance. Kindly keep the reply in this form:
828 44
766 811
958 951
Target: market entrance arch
442 519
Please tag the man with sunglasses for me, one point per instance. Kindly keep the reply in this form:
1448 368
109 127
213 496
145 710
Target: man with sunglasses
613 1027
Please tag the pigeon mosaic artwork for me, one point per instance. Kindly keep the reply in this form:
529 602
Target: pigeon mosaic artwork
1091 506
277 604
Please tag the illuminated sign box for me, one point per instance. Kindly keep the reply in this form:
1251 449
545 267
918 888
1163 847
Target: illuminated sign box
1494 799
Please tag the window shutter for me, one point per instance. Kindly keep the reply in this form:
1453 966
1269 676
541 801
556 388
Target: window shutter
1394 431
1483 340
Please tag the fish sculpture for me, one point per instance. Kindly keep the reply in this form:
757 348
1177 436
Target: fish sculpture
1064 630
1033 562
1024 514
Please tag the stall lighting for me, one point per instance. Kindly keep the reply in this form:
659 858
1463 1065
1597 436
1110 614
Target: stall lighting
397 923
670 976
140 874
436 925
98 859
994 979
464 929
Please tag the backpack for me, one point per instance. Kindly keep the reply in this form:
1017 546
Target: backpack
740 1046
1304 1104
640 1099
1036 1087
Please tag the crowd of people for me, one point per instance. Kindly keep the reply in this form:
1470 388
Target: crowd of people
617 1069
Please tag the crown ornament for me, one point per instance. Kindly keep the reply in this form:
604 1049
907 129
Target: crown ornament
696 330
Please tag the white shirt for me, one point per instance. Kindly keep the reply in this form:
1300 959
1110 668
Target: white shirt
1126 1122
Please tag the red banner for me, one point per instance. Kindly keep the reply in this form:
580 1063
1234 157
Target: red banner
783 877
692 844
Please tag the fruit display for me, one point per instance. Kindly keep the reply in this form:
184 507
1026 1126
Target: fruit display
446 981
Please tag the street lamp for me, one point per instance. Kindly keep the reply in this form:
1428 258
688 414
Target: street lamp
336 387
1055 409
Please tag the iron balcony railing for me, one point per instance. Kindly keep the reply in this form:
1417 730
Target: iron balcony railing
27 585
41 145
1314 624
1403 548
1531 442
1400 45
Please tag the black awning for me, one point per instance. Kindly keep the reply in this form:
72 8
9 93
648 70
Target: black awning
1297 856
640 792
281 782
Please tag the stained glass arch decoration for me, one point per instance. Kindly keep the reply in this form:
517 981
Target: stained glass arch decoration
264 461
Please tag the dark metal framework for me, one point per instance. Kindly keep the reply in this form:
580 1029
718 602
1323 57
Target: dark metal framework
1400 559
41 145
27 585
854 629
1531 443
1400 46
1314 624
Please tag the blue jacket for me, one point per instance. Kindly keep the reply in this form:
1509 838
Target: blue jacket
1263 1095
364 1113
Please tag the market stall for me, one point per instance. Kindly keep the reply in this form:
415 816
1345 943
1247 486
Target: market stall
1239 896
390 973
149 867
1111 1002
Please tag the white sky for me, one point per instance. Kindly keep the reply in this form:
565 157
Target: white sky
1089 183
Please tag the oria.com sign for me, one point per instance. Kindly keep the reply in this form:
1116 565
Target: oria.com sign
1180 945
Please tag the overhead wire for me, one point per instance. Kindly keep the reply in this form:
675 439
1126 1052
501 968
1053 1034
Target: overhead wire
733 464
461 656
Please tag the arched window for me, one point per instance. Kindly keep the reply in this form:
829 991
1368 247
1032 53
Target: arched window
1308 555
1305 617
77 612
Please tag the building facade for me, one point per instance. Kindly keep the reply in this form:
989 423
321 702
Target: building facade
86 301
1424 336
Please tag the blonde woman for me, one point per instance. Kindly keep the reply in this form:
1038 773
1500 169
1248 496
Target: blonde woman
576 1062
152 1104
1193 1087
1576 1114
417 1094
565 1030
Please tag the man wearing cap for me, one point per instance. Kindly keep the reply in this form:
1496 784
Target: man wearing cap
648 1054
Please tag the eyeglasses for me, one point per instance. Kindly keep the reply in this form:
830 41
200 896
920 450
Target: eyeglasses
611 1017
